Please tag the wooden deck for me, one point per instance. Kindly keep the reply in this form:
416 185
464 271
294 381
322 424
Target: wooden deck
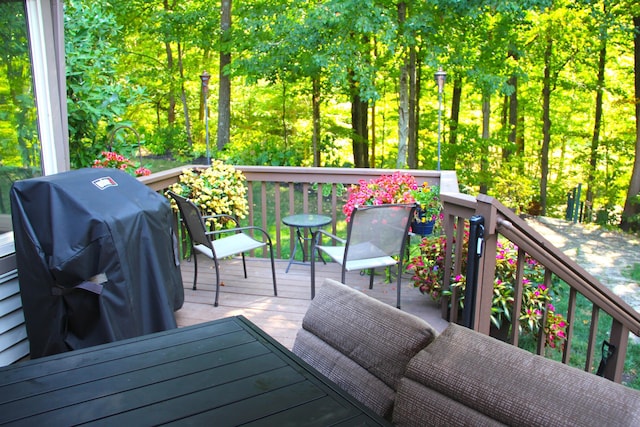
281 316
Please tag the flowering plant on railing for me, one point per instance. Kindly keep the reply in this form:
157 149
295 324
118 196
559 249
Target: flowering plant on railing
110 159
428 199
428 266
386 189
219 189
428 274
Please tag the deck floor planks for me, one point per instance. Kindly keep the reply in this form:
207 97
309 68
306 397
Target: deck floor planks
281 316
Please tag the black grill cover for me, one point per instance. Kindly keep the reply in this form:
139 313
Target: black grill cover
97 259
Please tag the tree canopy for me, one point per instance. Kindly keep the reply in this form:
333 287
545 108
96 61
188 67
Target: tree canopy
541 96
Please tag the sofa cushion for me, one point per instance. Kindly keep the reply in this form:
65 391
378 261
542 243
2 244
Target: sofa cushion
360 343
417 406
516 387
346 373
378 337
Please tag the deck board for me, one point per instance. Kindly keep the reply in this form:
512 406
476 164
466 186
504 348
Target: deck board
281 316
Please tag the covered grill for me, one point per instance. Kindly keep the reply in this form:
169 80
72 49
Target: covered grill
97 259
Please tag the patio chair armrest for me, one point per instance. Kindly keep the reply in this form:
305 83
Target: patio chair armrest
319 233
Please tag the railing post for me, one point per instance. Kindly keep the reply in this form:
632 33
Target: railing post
447 225
619 338
476 237
487 270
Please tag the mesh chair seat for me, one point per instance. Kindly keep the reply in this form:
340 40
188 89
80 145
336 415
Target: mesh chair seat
230 245
376 259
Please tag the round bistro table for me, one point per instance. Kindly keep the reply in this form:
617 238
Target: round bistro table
302 222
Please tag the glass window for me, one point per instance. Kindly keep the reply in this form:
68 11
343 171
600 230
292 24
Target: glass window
20 148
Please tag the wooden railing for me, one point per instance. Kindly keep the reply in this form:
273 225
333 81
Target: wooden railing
286 190
292 190
499 220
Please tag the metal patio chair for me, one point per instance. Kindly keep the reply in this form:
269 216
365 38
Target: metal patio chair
376 237
219 244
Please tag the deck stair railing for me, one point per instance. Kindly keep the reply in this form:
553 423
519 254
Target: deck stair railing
499 220
290 182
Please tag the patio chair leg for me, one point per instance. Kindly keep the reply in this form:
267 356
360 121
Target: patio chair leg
399 284
244 266
273 271
313 277
215 303
371 274
195 268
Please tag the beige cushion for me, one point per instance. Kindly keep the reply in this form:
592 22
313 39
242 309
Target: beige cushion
376 340
519 388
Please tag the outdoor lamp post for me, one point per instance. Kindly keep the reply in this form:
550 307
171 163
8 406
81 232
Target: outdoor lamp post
205 92
440 77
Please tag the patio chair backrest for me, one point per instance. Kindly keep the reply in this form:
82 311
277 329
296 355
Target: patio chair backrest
193 220
376 231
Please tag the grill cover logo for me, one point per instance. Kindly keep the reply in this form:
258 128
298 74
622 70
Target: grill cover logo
104 182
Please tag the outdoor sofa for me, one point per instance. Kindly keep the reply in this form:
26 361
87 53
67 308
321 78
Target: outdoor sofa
398 366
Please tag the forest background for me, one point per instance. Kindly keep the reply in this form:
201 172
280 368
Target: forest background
540 96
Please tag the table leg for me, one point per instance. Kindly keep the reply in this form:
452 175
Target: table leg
301 241
295 249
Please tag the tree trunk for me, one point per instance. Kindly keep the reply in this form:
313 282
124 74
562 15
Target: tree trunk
416 120
631 205
486 134
224 91
285 134
372 159
183 97
456 98
597 124
546 126
513 116
359 110
171 109
403 117
403 96
412 158
315 101
171 97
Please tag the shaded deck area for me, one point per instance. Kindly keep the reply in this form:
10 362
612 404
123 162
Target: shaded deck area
281 316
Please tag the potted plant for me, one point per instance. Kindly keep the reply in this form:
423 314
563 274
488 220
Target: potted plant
428 199
219 189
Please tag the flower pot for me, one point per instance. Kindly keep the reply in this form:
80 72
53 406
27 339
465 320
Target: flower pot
422 228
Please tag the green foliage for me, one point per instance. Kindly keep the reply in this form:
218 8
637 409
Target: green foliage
633 272
169 140
514 188
19 143
279 48
97 96
269 152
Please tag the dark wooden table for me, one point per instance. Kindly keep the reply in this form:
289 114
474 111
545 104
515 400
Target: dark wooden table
225 372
